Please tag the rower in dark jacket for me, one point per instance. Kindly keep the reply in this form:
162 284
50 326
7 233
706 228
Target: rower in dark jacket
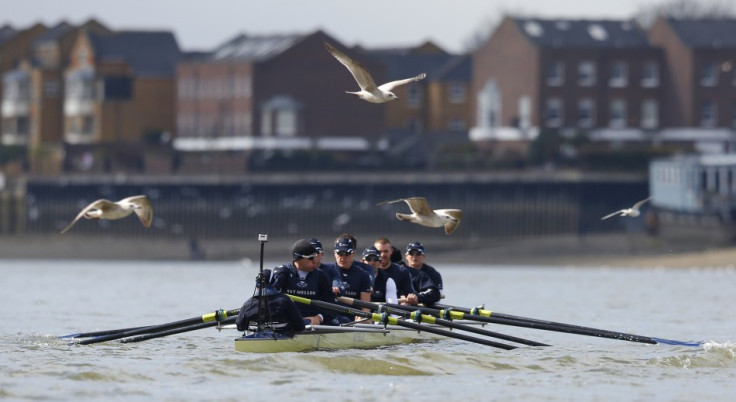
301 278
423 277
398 273
278 311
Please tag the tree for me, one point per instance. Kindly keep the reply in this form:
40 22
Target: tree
685 9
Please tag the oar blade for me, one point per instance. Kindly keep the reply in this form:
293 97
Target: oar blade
679 343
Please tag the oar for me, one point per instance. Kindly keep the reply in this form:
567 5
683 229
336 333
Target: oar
433 320
219 315
505 319
385 318
98 333
141 338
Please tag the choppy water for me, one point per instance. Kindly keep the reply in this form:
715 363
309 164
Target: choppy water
40 300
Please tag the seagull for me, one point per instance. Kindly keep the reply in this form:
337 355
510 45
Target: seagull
106 209
425 216
632 212
368 89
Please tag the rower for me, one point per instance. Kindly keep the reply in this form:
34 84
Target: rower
425 279
384 288
354 280
398 273
278 312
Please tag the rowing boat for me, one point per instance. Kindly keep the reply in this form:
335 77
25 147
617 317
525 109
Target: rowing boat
314 337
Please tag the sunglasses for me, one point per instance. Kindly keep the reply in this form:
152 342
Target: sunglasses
372 258
343 253
310 257
415 253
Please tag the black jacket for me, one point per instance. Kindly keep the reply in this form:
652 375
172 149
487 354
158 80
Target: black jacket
282 312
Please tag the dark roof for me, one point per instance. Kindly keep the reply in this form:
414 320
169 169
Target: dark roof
458 69
6 32
254 48
563 33
705 33
148 53
53 33
195 55
401 65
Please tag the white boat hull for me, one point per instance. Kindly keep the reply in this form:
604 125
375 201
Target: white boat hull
329 337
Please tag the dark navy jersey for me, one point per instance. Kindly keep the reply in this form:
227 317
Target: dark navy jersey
281 312
427 291
434 274
368 268
332 271
353 281
315 285
401 276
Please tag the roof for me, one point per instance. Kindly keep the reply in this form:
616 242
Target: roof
54 33
562 33
459 68
149 53
254 48
401 65
6 33
705 33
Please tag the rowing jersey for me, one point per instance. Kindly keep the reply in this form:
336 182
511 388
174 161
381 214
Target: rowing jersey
311 285
401 276
428 291
384 288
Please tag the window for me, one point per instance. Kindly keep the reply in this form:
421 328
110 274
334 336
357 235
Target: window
556 74
586 73
458 93
586 110
709 74
553 113
619 74
286 123
51 88
413 95
617 117
649 113
650 75
708 115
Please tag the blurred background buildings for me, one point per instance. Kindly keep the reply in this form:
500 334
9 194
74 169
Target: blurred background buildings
553 120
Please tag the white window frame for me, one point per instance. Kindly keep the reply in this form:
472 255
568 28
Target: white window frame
650 74
619 74
709 74
586 73
586 106
555 74
617 113
649 113
553 113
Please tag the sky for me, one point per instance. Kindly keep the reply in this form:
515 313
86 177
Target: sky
202 25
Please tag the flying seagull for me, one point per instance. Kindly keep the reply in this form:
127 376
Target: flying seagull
105 209
425 216
632 212
368 89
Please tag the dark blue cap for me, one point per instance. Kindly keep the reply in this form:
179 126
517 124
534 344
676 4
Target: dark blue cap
345 244
371 251
317 244
415 246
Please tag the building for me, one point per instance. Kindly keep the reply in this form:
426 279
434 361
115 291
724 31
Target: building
255 95
593 76
119 96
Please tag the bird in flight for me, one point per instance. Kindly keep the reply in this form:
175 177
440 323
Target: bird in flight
425 216
632 212
368 89
105 209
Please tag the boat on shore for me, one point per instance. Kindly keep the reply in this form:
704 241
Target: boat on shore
325 337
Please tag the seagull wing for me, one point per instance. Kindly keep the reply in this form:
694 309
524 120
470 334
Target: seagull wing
393 84
613 214
142 208
455 213
361 75
99 204
419 206
640 203
389 202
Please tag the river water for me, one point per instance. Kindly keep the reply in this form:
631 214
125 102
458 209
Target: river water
42 299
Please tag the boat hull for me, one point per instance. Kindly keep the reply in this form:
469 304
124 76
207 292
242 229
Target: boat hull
317 337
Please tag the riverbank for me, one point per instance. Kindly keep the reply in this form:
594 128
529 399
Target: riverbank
614 250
